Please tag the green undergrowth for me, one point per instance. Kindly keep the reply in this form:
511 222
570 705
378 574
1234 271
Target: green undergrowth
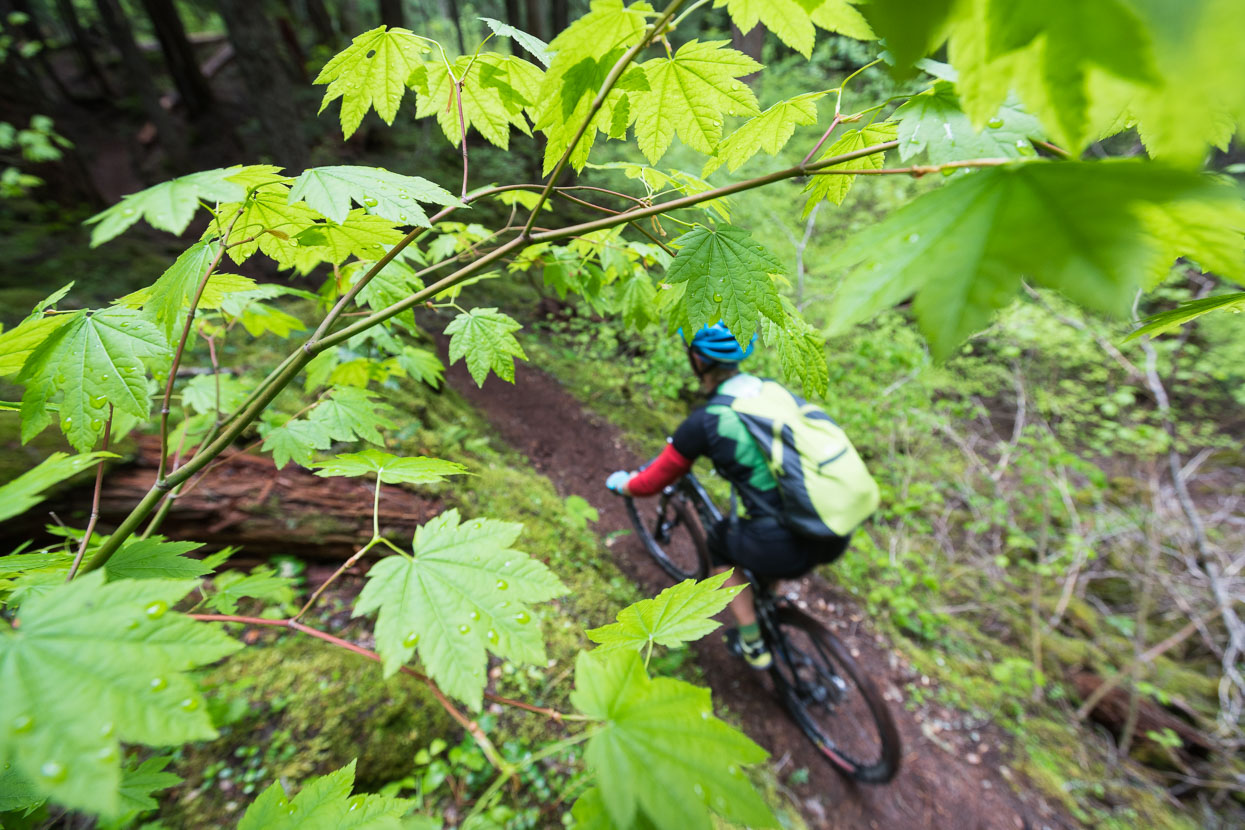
948 567
292 707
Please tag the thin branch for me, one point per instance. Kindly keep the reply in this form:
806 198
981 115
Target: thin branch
181 349
916 171
838 119
99 486
599 101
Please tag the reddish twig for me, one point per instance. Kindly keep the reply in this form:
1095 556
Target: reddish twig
99 486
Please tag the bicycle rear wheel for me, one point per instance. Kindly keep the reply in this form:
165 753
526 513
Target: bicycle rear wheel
672 533
833 701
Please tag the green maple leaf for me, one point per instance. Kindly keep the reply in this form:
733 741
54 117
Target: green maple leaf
680 614
94 664
176 286
27 490
330 190
17 343
497 89
464 591
391 469
349 414
933 122
219 286
17 794
371 72
637 297
485 337
910 30
268 223
533 44
155 558
296 441
793 20
199 393
138 784
324 803
1077 228
728 279
801 353
94 360
660 753
261 583
422 365
834 187
1075 36
1200 67
168 206
689 94
1167 321
395 282
770 131
362 235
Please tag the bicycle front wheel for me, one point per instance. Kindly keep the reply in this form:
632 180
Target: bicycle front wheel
672 534
833 701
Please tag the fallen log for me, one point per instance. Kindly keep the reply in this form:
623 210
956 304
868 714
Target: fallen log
250 503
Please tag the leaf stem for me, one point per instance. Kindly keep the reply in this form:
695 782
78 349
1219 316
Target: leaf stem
599 101
181 349
834 122
99 486
337 573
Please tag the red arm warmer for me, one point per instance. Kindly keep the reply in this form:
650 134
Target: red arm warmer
668 468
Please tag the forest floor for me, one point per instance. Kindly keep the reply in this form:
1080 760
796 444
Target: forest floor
954 772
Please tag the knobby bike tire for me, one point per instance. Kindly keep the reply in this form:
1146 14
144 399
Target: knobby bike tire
681 551
858 735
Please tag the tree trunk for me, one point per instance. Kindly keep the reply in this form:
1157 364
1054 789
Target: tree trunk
267 79
559 17
456 16
138 76
346 19
31 31
750 44
514 14
537 21
86 59
321 22
179 56
391 13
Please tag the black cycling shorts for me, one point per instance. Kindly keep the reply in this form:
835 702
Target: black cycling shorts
769 549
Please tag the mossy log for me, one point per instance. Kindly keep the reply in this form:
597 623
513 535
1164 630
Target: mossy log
1112 712
249 502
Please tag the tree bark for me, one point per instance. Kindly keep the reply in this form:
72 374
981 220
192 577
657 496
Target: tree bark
750 43
537 21
179 56
391 13
321 22
86 59
457 17
267 79
559 17
138 75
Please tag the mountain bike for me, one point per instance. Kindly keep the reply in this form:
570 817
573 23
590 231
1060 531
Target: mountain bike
826 693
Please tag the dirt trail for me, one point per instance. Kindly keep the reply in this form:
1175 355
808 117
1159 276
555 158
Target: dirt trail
950 776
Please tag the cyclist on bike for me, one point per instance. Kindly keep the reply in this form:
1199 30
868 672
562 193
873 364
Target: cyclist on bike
759 540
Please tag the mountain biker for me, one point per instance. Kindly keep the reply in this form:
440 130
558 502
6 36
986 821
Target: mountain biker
759 540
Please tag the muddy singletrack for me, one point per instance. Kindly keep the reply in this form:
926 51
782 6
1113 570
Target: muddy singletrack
954 774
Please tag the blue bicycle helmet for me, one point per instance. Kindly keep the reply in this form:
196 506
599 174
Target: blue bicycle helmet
716 343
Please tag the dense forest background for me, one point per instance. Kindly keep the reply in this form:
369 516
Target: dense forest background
1059 555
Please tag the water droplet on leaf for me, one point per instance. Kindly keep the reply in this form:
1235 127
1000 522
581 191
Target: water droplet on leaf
717 298
107 729
410 640
97 424
913 238
158 684
492 637
98 401
475 616
156 610
1025 148
108 753
994 123
53 771
502 584
522 618
464 629
23 724
189 704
